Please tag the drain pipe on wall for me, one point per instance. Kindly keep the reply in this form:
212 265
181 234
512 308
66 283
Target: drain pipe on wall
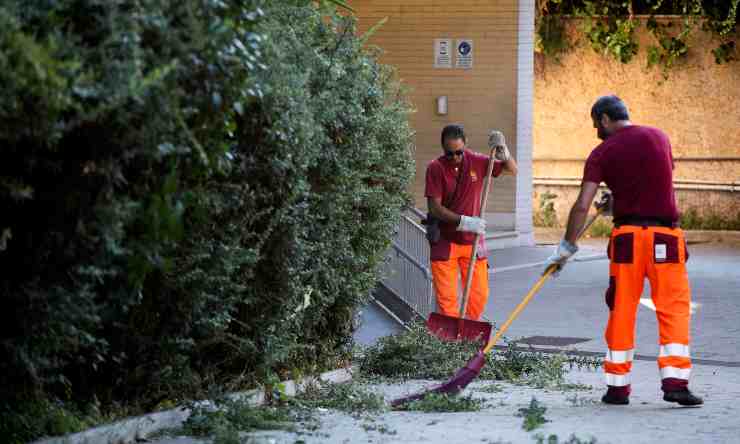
689 185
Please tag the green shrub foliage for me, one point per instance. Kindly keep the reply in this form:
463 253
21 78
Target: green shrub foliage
189 190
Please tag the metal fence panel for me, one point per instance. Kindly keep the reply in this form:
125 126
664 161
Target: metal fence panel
407 270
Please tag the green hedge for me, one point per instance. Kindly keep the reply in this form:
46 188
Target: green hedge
191 190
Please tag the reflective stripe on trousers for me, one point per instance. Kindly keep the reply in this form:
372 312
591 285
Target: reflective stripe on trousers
617 367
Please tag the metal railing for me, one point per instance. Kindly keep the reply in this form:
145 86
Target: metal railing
407 271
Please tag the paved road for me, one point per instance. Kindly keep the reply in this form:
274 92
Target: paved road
572 305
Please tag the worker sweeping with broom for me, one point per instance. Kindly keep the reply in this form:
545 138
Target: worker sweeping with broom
636 163
455 183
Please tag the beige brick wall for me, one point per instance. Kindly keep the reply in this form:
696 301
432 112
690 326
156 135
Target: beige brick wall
722 170
481 98
697 107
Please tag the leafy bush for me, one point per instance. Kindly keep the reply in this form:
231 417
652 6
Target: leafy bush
105 105
193 191
611 33
692 220
602 227
300 226
551 37
608 27
546 216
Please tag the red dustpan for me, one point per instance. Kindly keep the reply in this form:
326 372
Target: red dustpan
451 328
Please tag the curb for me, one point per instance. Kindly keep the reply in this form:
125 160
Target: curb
137 429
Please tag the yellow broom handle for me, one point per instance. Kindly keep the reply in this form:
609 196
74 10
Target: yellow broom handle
531 293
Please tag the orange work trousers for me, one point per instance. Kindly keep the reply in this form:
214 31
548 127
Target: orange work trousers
658 254
445 276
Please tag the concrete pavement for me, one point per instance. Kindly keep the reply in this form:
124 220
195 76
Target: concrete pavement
648 419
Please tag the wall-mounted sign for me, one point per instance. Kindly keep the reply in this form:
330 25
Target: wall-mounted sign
443 53
464 54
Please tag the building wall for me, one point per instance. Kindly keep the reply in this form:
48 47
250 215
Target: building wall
696 106
525 106
705 203
481 98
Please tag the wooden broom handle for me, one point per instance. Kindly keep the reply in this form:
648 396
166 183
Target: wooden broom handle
474 254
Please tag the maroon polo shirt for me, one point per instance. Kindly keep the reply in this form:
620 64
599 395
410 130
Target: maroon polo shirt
442 175
636 163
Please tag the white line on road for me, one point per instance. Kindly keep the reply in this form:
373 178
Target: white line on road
647 302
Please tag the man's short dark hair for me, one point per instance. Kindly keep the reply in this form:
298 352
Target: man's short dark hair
612 106
451 132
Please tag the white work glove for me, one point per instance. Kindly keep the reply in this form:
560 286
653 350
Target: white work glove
606 204
564 252
497 140
472 224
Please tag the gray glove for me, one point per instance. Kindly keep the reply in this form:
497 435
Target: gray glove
472 224
497 140
564 252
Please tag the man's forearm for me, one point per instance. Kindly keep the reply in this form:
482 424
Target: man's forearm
444 214
576 219
579 212
510 166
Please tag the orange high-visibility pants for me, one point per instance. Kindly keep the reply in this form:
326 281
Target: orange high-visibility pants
445 276
659 254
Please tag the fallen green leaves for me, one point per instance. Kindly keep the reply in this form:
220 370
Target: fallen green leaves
229 416
418 355
411 355
227 419
348 397
436 402
554 439
534 415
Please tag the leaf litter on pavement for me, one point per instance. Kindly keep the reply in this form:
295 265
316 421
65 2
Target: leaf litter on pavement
411 355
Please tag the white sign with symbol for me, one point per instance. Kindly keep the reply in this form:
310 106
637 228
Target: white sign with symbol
464 49
443 53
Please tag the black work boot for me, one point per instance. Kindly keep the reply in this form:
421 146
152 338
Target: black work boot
617 395
683 397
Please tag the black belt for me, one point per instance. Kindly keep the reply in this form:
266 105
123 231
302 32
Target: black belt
644 222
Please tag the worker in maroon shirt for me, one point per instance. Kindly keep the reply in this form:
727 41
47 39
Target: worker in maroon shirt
454 184
636 163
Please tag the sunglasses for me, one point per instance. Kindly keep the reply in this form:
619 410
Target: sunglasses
451 154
